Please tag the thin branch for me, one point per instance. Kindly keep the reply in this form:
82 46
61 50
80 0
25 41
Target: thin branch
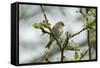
89 46
82 13
62 54
79 32
65 42
82 55
44 31
43 12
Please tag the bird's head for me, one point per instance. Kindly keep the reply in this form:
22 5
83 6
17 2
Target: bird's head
60 24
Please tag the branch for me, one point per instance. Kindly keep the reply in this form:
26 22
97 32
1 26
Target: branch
44 31
82 55
43 12
89 44
79 32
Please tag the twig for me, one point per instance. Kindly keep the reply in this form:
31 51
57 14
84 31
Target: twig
44 31
79 32
89 45
62 54
43 12
82 55
82 12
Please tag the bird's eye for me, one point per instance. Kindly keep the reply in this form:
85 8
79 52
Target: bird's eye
62 24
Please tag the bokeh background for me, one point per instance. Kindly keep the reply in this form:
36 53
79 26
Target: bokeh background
32 43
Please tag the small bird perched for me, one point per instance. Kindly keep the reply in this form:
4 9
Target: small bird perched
58 31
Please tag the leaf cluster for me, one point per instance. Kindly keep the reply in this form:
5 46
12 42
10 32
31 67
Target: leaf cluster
42 24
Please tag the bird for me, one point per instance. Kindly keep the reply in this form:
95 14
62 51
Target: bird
58 31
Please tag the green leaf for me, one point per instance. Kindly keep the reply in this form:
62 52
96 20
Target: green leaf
74 46
37 25
46 24
93 11
92 25
76 55
42 24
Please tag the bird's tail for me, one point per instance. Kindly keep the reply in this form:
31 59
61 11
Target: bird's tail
49 44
